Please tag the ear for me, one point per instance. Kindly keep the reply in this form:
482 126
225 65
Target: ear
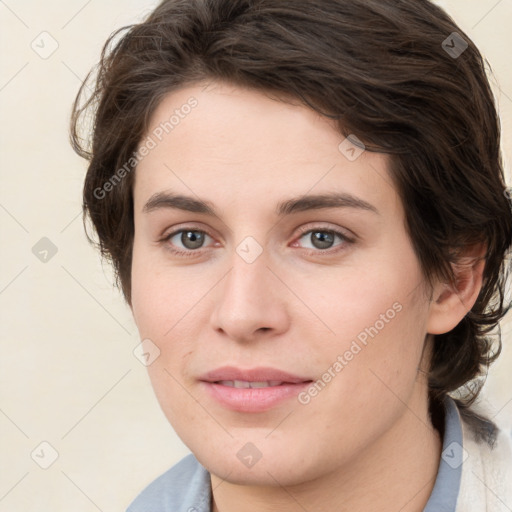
450 304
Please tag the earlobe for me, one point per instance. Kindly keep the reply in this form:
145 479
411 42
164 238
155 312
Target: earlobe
451 303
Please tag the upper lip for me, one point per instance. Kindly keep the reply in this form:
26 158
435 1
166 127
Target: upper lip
259 374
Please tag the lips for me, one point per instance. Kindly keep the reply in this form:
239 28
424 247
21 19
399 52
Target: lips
252 390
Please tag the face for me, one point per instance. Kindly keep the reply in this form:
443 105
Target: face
265 252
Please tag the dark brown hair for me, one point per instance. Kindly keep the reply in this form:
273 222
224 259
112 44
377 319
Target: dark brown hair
391 72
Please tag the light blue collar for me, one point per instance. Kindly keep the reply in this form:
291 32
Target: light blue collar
446 489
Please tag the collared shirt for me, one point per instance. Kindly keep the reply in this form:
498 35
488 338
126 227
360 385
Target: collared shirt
186 487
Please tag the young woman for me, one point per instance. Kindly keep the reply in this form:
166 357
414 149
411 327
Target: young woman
305 206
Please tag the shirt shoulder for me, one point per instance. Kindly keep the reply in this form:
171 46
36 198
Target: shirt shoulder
486 473
183 488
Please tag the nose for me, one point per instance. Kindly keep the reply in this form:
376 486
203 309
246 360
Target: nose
251 302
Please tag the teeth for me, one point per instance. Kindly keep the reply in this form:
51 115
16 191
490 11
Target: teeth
243 384
261 384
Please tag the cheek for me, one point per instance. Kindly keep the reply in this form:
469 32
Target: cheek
167 306
372 302
368 370
162 295
378 320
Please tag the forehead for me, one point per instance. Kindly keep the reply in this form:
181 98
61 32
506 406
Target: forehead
224 142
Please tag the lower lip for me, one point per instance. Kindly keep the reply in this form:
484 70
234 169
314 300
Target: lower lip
253 399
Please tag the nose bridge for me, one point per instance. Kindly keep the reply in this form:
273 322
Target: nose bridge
248 281
249 298
248 276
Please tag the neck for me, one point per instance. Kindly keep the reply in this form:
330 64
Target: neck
396 472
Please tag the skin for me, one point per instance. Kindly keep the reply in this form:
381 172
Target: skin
365 442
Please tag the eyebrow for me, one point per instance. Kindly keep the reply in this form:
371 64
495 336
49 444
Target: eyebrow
287 207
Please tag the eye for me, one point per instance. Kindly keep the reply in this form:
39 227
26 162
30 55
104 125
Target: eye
324 239
188 239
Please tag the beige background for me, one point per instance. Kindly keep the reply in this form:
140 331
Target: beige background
67 372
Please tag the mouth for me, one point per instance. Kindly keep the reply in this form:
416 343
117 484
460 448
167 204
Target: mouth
252 390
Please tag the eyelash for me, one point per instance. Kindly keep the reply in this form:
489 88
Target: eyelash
302 230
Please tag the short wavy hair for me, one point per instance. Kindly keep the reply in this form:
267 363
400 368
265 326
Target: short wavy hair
392 73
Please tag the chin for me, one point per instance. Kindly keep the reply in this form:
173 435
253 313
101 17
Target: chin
281 465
